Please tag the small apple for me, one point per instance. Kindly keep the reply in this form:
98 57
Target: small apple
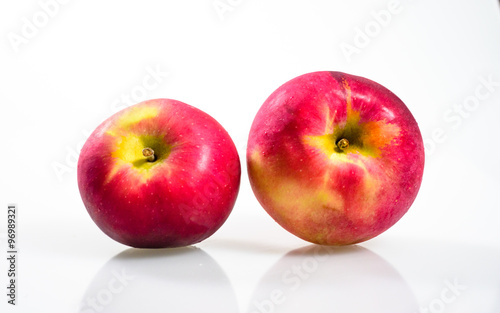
158 174
335 159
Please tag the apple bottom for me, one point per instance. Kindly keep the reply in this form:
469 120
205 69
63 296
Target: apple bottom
329 227
326 225
163 213
339 207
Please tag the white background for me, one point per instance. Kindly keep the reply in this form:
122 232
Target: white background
60 79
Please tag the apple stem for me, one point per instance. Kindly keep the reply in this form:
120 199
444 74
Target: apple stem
343 144
149 154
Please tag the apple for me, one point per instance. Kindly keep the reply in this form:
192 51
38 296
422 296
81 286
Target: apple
335 159
159 174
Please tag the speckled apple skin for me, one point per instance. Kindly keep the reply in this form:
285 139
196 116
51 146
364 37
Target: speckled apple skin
315 190
180 199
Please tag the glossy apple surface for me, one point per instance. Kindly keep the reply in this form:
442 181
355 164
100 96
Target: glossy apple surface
178 196
335 159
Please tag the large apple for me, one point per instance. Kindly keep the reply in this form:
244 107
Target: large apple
335 159
159 174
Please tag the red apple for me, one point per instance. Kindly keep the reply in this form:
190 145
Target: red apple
159 174
335 159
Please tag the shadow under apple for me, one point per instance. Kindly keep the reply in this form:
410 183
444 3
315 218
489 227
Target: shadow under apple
332 279
166 280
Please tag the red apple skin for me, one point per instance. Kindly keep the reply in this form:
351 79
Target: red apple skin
314 189
180 199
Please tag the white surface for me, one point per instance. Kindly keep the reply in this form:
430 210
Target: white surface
76 70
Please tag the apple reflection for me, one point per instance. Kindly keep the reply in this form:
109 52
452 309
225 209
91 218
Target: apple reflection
332 279
170 280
